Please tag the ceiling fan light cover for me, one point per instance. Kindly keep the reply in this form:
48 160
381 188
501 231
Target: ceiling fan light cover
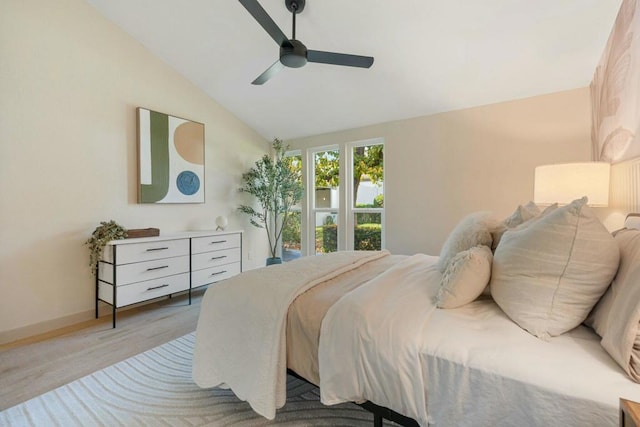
295 56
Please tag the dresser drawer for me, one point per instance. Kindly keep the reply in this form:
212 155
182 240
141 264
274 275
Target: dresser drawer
214 274
140 271
142 291
145 251
215 258
214 243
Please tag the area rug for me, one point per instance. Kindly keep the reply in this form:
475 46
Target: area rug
155 388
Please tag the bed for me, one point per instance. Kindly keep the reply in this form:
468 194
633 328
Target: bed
367 327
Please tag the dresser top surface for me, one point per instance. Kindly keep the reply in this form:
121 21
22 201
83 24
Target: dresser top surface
174 236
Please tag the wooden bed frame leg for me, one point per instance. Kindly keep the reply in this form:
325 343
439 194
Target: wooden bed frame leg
377 420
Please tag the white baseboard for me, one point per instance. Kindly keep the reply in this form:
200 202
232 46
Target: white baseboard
46 326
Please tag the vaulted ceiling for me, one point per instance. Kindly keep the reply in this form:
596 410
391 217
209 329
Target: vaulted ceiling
430 55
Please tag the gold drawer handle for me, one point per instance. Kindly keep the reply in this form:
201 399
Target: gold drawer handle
157 287
218 272
157 249
218 257
157 268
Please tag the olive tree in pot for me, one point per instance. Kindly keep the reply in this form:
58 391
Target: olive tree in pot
277 187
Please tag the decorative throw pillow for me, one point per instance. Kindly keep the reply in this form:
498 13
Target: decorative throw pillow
616 318
629 244
521 215
548 276
473 230
465 278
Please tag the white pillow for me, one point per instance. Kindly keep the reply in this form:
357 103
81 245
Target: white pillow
548 275
629 245
465 278
616 318
521 215
474 229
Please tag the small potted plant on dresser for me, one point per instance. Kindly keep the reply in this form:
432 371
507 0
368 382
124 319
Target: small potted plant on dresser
103 234
277 187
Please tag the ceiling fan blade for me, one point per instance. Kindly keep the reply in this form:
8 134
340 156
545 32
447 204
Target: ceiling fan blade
260 15
339 59
270 72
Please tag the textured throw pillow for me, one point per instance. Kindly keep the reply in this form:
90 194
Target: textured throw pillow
474 229
548 276
616 318
521 215
629 245
465 278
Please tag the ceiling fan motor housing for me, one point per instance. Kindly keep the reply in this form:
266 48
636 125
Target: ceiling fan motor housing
295 6
294 56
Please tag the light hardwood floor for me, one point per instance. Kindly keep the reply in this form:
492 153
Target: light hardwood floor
39 364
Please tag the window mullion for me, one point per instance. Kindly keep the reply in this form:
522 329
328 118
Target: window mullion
304 216
311 220
347 167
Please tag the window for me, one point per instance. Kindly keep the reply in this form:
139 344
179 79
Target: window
367 196
335 216
325 203
291 233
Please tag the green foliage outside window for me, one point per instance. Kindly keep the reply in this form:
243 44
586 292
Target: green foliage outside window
291 232
367 237
368 163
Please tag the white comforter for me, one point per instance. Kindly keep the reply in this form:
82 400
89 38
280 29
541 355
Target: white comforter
240 338
368 346
387 343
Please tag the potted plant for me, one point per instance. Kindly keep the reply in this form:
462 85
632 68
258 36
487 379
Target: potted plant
277 187
102 235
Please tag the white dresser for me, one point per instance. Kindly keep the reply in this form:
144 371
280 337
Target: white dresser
215 258
135 270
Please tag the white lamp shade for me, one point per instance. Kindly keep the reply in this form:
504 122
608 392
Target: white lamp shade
563 183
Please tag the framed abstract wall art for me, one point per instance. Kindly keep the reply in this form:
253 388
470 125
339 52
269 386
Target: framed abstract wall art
170 158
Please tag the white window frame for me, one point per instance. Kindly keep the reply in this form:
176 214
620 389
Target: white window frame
302 209
351 210
312 210
346 207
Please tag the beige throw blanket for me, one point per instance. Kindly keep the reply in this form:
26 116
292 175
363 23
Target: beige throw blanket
306 313
240 338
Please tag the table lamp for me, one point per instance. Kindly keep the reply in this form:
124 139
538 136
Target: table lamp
565 182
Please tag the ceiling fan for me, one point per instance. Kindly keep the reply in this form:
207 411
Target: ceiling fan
293 53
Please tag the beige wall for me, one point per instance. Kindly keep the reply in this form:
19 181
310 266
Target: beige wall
439 168
70 82
69 85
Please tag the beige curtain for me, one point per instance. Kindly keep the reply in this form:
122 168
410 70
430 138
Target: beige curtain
615 90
